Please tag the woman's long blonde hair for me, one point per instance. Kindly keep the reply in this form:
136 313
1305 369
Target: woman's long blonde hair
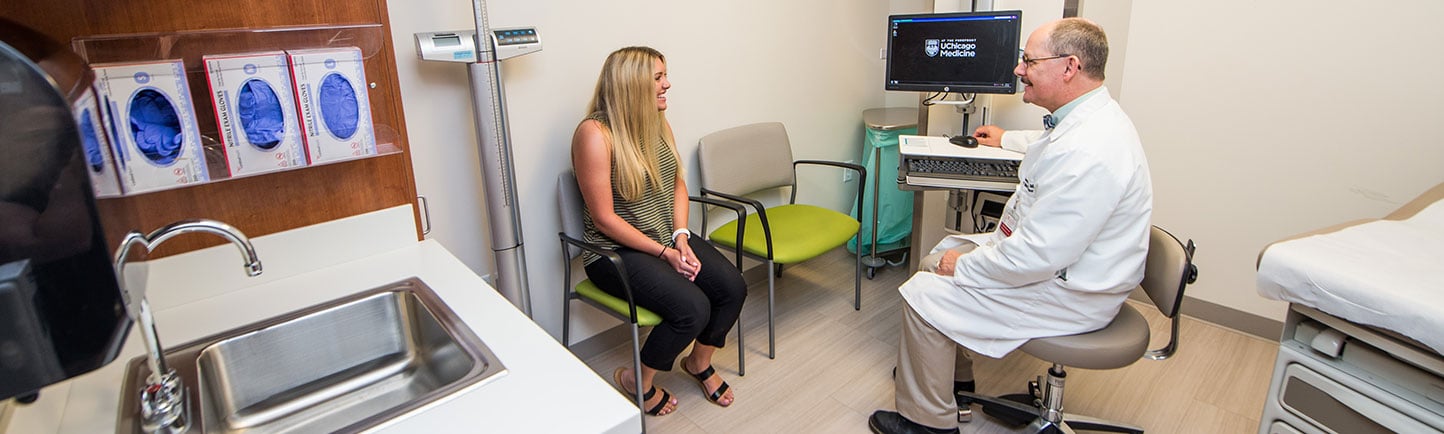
626 97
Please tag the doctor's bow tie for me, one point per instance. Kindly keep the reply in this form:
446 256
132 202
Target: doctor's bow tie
1049 122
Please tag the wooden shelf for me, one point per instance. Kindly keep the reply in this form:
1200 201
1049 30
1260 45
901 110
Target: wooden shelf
267 203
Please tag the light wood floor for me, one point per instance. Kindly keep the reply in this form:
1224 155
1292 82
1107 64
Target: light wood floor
833 368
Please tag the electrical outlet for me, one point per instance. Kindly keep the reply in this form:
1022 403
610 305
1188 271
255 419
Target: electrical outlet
848 175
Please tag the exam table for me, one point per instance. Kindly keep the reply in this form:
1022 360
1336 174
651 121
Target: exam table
1361 346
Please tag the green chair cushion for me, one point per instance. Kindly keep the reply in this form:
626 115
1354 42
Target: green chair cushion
799 232
589 290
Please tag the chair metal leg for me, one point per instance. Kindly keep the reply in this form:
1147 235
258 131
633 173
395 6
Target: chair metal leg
1049 410
637 373
1052 398
741 351
857 280
771 329
999 402
1041 426
567 322
1039 423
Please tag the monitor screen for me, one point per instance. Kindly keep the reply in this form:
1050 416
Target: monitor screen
969 52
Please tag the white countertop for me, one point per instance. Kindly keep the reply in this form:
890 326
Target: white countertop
545 388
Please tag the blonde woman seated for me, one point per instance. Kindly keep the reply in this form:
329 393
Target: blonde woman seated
627 167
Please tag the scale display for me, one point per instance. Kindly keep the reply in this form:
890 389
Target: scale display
460 46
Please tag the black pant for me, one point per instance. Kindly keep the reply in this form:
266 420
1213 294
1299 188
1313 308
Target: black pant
703 309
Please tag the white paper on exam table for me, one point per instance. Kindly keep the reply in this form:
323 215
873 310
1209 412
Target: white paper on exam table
1383 273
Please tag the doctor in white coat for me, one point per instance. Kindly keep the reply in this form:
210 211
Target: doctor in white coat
1069 247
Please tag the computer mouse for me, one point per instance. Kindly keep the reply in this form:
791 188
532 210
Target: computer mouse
965 141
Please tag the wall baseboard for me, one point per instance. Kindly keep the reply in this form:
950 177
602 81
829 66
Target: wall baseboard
1218 314
1227 317
605 341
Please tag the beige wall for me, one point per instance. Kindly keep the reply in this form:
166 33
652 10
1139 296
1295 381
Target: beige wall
1265 119
811 64
1260 119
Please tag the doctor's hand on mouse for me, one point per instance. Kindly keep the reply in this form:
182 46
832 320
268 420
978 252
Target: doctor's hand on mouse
989 135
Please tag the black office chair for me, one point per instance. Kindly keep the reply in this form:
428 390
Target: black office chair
1168 270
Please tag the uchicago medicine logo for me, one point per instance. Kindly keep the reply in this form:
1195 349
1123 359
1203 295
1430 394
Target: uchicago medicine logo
951 47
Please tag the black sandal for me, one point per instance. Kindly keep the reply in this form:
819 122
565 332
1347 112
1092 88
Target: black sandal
702 381
656 409
666 398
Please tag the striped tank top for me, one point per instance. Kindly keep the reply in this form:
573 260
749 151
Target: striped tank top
652 213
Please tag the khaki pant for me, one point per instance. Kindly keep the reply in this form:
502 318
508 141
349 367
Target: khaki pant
923 388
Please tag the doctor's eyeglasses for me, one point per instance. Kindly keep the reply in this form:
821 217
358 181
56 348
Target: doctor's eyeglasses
1030 62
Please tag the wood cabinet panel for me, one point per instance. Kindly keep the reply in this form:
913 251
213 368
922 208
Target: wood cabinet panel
262 204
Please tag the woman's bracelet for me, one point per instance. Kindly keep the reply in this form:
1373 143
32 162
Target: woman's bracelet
682 231
662 253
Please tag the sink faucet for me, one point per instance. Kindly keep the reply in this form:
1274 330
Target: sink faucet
163 400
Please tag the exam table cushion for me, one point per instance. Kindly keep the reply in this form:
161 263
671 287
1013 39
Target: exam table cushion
799 232
1382 273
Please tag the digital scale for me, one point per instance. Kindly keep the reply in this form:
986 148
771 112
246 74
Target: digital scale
483 59
460 46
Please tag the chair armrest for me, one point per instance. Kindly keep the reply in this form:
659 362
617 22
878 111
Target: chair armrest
857 167
761 215
756 204
729 204
612 257
861 180
741 221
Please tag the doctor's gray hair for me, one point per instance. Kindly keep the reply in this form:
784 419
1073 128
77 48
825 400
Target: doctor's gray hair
1084 39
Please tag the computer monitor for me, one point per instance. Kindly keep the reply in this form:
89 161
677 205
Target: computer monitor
967 52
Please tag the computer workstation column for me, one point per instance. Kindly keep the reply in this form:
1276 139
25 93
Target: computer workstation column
930 166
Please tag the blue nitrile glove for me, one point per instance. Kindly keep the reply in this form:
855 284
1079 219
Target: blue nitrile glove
260 114
156 127
338 105
92 144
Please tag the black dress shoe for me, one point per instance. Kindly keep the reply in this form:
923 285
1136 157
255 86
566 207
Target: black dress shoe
890 422
965 405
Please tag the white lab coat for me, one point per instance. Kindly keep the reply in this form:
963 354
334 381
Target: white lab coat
1070 245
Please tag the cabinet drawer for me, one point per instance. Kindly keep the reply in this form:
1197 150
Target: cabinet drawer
1337 408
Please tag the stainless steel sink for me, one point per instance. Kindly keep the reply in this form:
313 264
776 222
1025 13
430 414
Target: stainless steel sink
341 366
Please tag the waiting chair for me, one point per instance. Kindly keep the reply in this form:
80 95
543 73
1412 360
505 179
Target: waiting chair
743 160
572 238
1168 270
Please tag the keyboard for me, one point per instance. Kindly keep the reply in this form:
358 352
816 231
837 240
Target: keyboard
933 162
962 168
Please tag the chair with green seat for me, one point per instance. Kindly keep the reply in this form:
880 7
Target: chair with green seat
573 243
757 158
